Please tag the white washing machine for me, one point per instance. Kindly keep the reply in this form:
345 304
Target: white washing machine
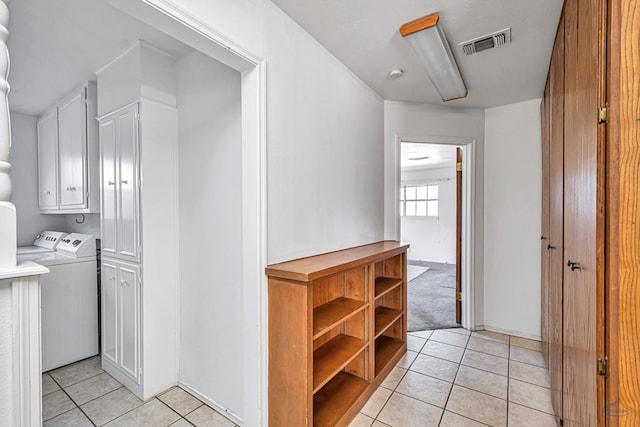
44 242
69 301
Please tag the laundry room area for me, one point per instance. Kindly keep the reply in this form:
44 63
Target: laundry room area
127 181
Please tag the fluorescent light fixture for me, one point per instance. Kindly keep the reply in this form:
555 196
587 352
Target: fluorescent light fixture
427 39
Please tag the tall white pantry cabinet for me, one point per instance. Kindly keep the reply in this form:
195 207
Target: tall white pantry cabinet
138 146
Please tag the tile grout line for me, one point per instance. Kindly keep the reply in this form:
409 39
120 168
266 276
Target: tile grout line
454 382
168 406
72 401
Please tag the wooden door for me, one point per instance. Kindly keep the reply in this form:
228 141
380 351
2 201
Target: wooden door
72 142
583 227
555 245
623 210
458 235
48 160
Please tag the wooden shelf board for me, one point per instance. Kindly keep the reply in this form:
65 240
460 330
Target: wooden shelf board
333 400
385 317
385 285
331 314
334 355
386 349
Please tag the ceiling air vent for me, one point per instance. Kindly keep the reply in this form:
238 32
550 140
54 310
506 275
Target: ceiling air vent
486 42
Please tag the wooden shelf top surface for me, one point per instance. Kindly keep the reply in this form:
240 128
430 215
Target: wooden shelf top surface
319 266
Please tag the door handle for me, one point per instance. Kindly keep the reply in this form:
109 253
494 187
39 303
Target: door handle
110 183
124 283
124 181
550 247
573 265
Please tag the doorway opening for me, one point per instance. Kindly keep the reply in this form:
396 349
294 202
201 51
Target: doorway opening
218 83
430 215
435 215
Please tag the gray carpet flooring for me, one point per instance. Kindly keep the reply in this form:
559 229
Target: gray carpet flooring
431 297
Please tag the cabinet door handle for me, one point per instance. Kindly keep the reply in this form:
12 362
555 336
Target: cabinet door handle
71 188
573 265
110 183
47 192
112 278
550 247
124 181
124 283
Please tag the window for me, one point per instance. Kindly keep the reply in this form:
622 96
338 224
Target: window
419 200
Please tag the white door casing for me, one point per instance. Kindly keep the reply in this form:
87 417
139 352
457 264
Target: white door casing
468 213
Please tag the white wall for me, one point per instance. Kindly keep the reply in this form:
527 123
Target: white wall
24 176
403 119
324 132
513 175
324 148
432 238
210 184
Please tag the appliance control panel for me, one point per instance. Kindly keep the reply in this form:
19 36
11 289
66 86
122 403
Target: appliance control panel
49 239
77 245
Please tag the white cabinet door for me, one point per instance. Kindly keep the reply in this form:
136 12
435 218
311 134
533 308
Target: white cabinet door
48 161
128 183
129 318
120 188
121 317
109 309
109 185
72 143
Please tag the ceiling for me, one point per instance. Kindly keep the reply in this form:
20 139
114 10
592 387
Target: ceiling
55 45
363 34
439 156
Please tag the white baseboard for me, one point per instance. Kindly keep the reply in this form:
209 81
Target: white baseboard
221 409
508 332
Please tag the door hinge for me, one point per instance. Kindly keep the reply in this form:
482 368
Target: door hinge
602 366
603 114
458 296
459 167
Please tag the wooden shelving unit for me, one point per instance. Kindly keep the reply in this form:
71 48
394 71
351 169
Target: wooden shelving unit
337 326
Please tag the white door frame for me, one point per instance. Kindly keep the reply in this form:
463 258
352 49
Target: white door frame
190 30
468 212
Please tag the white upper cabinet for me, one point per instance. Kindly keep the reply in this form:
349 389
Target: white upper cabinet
48 161
68 155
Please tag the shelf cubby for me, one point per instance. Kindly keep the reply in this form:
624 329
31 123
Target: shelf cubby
385 285
386 349
385 317
331 314
333 356
333 400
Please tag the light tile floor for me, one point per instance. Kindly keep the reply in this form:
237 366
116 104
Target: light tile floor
457 378
82 394
448 378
